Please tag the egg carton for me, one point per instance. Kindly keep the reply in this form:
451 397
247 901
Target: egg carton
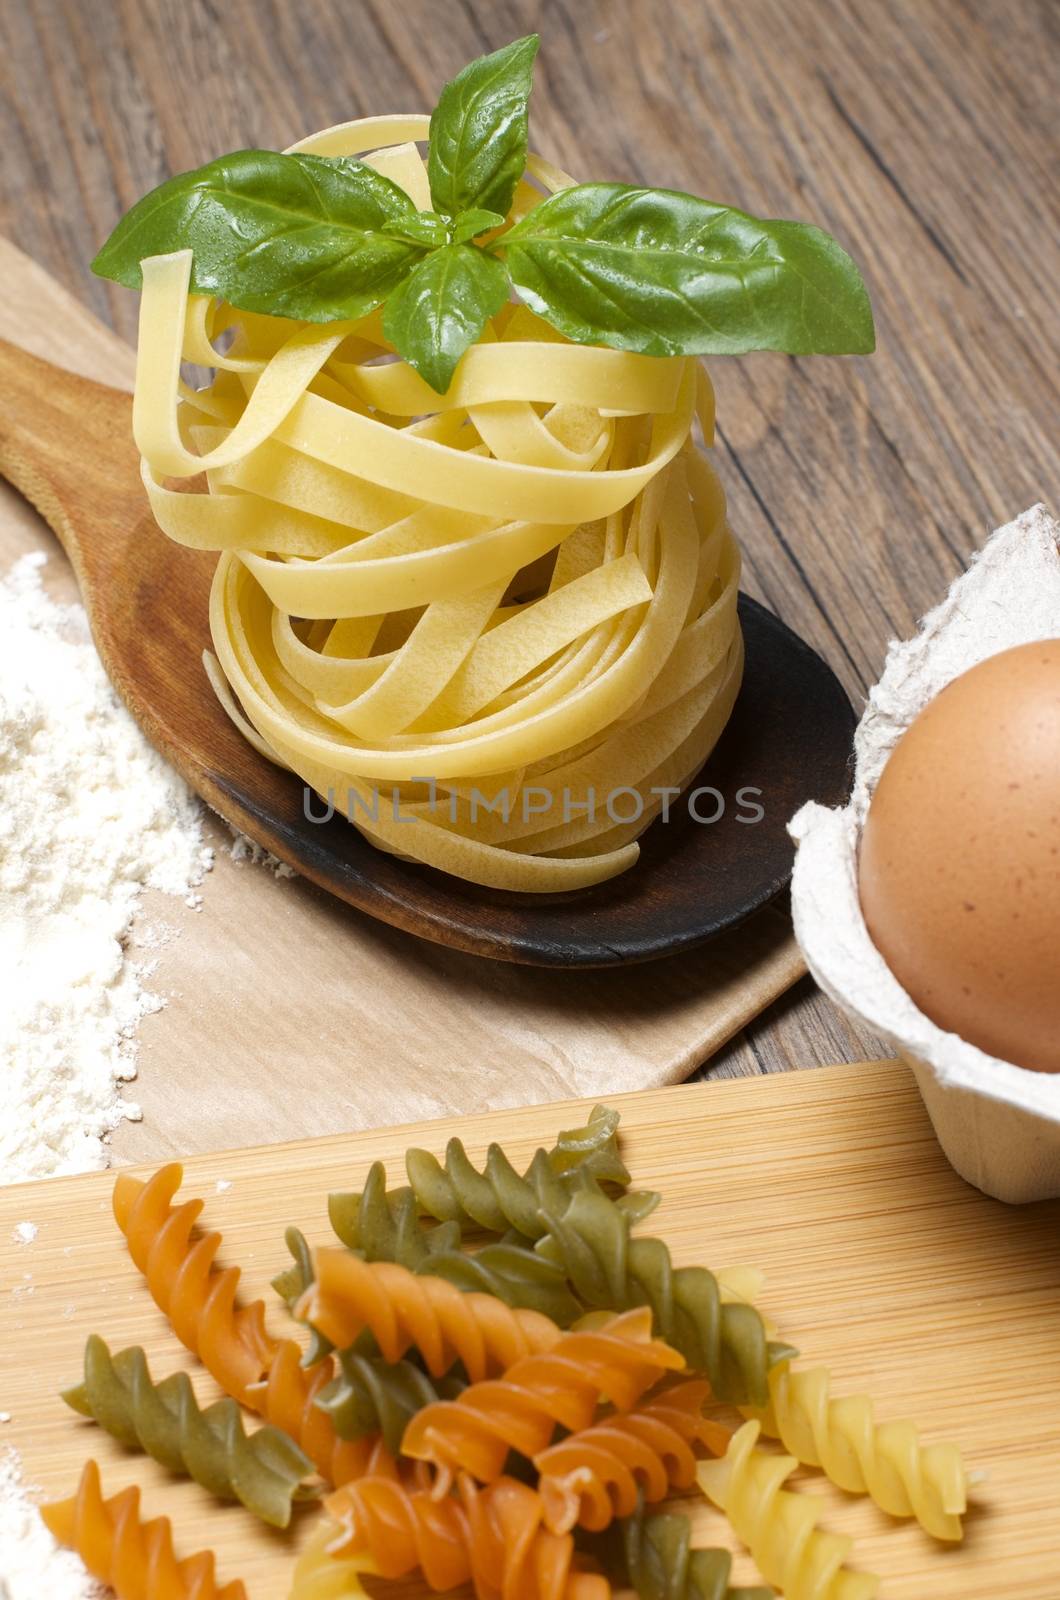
998 1124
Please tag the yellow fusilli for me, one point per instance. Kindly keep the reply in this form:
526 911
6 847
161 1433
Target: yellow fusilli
778 1527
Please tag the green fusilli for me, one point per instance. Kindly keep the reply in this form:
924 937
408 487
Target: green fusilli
370 1395
497 1200
263 1470
654 1556
608 1270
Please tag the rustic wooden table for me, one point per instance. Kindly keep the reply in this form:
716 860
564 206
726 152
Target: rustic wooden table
921 132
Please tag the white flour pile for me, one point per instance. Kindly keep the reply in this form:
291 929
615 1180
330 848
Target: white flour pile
90 816
32 1566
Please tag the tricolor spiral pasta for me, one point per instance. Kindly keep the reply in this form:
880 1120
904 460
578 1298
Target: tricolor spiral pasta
883 1459
514 1273
198 1298
560 1387
778 1527
369 1395
590 1478
474 612
263 1470
497 1269
263 1373
134 1557
287 1397
388 1227
403 1311
492 1536
607 1268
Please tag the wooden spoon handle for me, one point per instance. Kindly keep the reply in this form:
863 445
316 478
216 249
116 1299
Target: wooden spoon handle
66 444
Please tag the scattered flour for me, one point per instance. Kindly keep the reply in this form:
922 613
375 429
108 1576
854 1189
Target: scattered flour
90 816
244 849
32 1566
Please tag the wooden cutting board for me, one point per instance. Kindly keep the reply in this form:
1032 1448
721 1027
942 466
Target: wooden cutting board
879 1262
272 977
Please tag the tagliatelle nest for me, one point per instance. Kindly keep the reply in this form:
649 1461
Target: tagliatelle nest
506 614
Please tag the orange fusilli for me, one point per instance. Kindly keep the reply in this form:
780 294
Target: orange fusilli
520 1411
590 1478
404 1311
198 1298
495 1537
134 1557
286 1397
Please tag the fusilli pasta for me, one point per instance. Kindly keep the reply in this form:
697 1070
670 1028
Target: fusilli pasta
320 1575
883 1459
198 1298
610 1270
369 1395
403 1311
211 1445
654 1556
590 1478
497 1198
287 1397
562 1386
778 1527
389 1228
134 1557
493 1536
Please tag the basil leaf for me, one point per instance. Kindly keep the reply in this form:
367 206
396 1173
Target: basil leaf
422 227
293 235
442 307
469 224
668 274
477 151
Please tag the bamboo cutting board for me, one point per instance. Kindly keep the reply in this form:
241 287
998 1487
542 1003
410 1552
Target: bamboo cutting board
879 1262
261 955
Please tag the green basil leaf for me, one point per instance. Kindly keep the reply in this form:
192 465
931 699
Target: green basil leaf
422 227
442 307
292 235
477 151
668 274
469 224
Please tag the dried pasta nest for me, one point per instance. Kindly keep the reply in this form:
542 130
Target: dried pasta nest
497 628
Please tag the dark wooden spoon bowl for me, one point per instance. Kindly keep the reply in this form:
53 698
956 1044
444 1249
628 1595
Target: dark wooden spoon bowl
66 444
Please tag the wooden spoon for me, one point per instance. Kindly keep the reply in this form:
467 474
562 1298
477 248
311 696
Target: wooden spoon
66 443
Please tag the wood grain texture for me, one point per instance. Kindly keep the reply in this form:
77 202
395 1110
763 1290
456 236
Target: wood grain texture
921 131
879 1262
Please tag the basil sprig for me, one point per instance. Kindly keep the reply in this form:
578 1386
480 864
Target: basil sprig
477 151
321 239
298 236
667 274
442 307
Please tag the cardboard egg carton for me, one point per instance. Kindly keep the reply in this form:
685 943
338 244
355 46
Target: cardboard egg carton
998 1124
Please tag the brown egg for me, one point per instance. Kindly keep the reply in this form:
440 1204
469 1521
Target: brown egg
959 870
